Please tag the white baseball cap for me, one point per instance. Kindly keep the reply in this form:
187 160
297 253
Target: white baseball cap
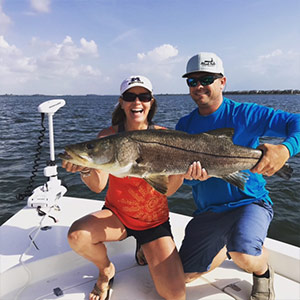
136 80
204 62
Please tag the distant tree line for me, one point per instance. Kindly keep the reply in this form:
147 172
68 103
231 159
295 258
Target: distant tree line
291 91
250 92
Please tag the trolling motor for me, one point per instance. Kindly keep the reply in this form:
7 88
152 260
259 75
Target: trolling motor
48 194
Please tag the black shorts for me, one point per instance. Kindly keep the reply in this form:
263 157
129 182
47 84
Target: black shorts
149 235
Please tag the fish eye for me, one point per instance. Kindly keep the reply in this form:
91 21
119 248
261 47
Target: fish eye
89 146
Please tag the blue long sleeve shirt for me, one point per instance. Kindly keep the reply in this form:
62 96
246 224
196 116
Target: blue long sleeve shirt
250 122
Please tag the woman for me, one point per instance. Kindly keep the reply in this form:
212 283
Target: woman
127 210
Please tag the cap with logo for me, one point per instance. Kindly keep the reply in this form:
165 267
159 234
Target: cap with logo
133 81
204 62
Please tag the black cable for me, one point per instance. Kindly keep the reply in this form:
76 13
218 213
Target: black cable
29 188
42 213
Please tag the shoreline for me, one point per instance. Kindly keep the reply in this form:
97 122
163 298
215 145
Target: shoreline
242 92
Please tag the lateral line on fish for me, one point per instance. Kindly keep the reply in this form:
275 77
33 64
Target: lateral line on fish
204 153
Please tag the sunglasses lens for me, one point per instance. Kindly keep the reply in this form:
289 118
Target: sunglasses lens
145 97
130 97
192 82
206 80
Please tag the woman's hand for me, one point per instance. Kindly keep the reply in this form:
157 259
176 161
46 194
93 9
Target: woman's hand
196 172
96 180
72 167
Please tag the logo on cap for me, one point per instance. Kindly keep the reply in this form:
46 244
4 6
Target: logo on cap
208 62
135 80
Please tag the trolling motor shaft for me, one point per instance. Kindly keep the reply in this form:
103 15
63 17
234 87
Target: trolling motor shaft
48 194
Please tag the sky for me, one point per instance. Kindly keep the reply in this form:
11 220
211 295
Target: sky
78 47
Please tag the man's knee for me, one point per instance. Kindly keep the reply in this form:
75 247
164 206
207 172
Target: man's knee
249 263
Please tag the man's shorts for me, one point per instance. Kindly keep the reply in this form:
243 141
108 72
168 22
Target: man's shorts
149 235
243 230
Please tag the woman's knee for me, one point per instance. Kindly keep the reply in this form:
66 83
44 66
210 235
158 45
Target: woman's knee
77 236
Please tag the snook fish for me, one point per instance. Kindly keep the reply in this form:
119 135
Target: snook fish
155 154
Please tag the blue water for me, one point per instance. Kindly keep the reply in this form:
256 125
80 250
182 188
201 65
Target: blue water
83 117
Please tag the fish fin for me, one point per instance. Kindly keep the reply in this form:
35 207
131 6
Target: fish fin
237 179
158 182
228 132
285 172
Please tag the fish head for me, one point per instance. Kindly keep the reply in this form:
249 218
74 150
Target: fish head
93 154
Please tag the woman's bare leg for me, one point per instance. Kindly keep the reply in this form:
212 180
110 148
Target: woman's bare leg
165 268
86 237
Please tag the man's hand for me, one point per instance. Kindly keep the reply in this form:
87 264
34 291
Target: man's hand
196 172
273 159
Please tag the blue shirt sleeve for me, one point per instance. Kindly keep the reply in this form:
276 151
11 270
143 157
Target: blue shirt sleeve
292 142
264 121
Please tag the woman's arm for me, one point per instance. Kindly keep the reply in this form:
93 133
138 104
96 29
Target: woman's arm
95 179
175 182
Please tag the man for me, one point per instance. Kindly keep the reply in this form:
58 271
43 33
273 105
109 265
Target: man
228 221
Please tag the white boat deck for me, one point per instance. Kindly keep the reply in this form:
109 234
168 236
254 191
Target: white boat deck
33 272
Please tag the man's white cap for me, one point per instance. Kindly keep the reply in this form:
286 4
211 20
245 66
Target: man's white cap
136 80
204 62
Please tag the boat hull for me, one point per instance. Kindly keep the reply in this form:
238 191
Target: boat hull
36 271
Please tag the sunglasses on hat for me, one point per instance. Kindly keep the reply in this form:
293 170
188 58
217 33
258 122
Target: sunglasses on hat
204 80
130 97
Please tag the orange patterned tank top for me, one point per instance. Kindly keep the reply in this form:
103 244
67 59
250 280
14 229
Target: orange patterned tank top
136 203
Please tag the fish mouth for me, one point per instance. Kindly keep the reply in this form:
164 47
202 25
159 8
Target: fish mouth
70 155
65 156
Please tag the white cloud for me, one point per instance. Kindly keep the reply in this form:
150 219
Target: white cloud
271 55
67 50
160 53
67 60
42 6
6 49
24 65
52 64
89 47
16 68
141 56
276 62
278 69
161 65
159 62
12 60
5 20
90 71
